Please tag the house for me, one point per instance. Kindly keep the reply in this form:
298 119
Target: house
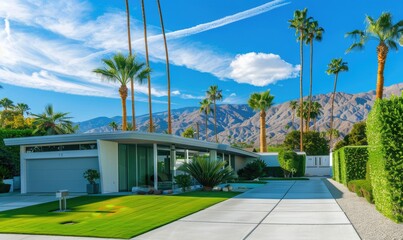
124 160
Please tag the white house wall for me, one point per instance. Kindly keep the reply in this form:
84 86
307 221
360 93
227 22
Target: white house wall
108 166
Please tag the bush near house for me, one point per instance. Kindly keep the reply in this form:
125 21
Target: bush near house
385 137
362 188
10 156
350 163
290 161
253 170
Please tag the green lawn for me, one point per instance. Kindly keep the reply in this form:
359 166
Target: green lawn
107 216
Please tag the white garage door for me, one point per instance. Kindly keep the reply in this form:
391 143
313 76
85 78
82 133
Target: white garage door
50 175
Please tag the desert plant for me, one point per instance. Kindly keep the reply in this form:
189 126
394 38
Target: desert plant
208 172
252 170
184 181
91 175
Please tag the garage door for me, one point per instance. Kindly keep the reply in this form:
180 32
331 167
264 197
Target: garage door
50 175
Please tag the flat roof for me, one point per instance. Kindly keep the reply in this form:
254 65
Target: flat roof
127 137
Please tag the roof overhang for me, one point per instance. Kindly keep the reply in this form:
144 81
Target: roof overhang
127 137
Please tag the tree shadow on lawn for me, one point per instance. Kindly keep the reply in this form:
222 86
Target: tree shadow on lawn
49 209
207 194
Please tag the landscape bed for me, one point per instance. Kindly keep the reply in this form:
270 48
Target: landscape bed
107 216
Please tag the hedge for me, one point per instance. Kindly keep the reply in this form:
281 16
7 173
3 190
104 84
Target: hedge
274 172
385 138
290 159
336 166
362 188
350 163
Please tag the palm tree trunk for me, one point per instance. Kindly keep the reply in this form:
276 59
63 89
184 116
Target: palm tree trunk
293 117
382 51
263 144
130 53
331 115
301 128
151 129
206 128
215 122
167 66
314 124
123 96
310 86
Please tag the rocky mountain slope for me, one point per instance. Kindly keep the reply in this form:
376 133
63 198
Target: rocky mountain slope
239 123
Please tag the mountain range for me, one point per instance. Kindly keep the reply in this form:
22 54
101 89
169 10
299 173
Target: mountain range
239 123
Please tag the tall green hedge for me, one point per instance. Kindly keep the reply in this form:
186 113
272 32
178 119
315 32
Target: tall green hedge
385 138
336 166
290 159
350 163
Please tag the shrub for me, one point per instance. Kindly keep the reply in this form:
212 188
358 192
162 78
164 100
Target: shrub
362 188
208 173
293 163
184 181
274 172
336 166
313 142
385 137
91 175
252 170
351 163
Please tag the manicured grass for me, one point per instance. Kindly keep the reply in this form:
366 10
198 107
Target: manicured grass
285 179
107 216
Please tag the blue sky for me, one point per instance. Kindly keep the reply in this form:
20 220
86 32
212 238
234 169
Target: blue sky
49 48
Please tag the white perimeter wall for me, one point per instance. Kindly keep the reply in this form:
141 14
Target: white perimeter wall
108 166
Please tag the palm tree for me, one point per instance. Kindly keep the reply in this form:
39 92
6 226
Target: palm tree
130 53
313 32
293 106
22 108
299 23
121 69
167 66
304 114
113 125
316 113
335 67
151 124
214 94
6 103
384 31
205 108
262 102
52 123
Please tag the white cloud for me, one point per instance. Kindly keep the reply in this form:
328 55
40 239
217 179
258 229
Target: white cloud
261 69
233 99
176 92
31 58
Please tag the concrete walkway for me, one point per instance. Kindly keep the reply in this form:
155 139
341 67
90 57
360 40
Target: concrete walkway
279 210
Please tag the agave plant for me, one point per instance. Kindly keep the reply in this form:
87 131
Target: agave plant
208 173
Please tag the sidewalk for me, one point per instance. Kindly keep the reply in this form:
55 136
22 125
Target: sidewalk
278 210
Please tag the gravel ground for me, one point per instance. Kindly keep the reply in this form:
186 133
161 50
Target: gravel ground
368 222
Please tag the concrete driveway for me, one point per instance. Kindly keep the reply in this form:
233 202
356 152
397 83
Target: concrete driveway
279 210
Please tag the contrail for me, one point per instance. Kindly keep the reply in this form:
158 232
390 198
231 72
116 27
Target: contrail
223 21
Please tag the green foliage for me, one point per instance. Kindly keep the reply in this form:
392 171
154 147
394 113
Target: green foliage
10 156
4 173
385 137
91 175
292 163
351 161
362 188
356 137
314 143
274 172
252 170
208 173
188 133
184 181
52 123
336 166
